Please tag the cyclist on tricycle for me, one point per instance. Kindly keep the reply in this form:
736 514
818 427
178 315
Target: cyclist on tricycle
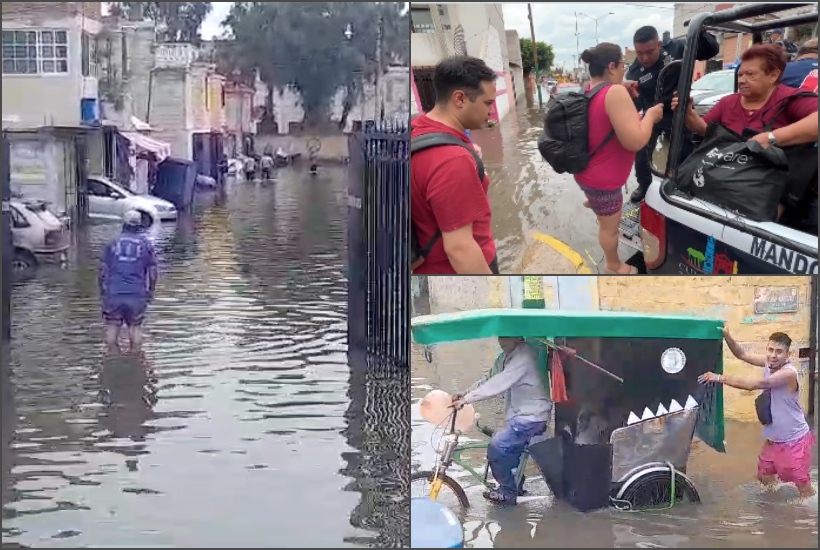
606 404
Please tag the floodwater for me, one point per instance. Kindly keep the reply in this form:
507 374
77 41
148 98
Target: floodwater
527 196
244 426
735 512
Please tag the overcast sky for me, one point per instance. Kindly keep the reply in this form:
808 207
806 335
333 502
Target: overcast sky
211 26
555 23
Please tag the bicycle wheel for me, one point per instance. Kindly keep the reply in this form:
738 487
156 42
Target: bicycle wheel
451 493
652 488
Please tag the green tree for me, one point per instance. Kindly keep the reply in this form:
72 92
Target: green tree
801 33
546 57
316 47
176 21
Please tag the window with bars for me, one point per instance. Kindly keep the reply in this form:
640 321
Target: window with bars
35 52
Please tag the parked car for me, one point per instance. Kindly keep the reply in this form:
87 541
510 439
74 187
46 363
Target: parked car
565 88
108 200
38 236
711 88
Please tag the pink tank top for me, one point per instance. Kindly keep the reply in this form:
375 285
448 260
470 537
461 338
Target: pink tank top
610 167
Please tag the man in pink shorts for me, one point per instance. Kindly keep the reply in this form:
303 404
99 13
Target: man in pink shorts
786 453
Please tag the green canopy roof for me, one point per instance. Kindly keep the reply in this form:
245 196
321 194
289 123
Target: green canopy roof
543 323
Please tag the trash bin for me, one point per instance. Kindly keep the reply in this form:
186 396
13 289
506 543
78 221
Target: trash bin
176 183
433 525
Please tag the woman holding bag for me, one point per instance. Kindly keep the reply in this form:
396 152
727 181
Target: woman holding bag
759 94
780 115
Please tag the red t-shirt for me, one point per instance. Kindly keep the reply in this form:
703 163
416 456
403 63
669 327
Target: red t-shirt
445 195
729 112
608 168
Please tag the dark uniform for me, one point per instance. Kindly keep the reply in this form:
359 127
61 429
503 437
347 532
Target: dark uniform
647 79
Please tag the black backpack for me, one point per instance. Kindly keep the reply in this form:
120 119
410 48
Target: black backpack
564 142
420 143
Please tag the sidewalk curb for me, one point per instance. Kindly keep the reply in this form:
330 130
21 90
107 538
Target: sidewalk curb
566 251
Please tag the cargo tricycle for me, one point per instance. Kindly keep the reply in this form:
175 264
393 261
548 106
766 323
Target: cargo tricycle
630 403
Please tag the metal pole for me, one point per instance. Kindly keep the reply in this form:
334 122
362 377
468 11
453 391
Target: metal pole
535 59
577 43
379 68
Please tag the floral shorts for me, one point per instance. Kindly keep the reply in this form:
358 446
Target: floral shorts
604 203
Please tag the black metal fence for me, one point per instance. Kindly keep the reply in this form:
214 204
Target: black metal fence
378 243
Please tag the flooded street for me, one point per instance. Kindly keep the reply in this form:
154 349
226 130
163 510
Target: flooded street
735 512
244 425
527 196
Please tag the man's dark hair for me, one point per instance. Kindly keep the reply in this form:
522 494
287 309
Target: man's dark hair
645 34
460 72
781 338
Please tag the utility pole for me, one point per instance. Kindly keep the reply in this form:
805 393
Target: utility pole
577 43
535 58
378 98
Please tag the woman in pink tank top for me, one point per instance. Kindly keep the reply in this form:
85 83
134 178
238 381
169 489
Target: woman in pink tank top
616 133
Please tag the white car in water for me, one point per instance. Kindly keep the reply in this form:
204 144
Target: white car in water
108 200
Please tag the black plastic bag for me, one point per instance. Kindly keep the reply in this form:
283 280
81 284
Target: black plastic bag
739 175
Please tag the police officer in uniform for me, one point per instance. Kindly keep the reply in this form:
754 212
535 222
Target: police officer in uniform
652 55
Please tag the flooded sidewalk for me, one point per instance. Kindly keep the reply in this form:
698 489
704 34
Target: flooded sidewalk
242 427
539 221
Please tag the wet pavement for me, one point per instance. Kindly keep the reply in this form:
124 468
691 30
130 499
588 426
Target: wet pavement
527 196
735 512
243 426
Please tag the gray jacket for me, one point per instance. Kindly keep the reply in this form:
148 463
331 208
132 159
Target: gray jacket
523 386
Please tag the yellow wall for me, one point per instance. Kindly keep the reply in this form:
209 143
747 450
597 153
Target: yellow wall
728 298
216 110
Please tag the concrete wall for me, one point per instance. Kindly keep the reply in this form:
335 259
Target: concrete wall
31 101
168 109
334 148
684 12
731 299
728 298
288 109
481 27
516 64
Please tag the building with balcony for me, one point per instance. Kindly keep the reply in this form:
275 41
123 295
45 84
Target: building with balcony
442 30
164 85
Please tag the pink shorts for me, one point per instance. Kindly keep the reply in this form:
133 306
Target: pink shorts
791 462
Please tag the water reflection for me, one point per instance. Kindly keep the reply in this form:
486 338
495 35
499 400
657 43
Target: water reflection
379 427
233 427
527 196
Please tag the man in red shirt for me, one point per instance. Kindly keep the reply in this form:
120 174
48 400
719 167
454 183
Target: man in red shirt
449 204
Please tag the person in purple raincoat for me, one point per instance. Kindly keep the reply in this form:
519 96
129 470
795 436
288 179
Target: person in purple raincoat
127 279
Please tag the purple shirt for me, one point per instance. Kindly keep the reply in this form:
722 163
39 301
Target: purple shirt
129 267
788 418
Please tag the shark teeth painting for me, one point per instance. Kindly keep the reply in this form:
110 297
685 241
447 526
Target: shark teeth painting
662 410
